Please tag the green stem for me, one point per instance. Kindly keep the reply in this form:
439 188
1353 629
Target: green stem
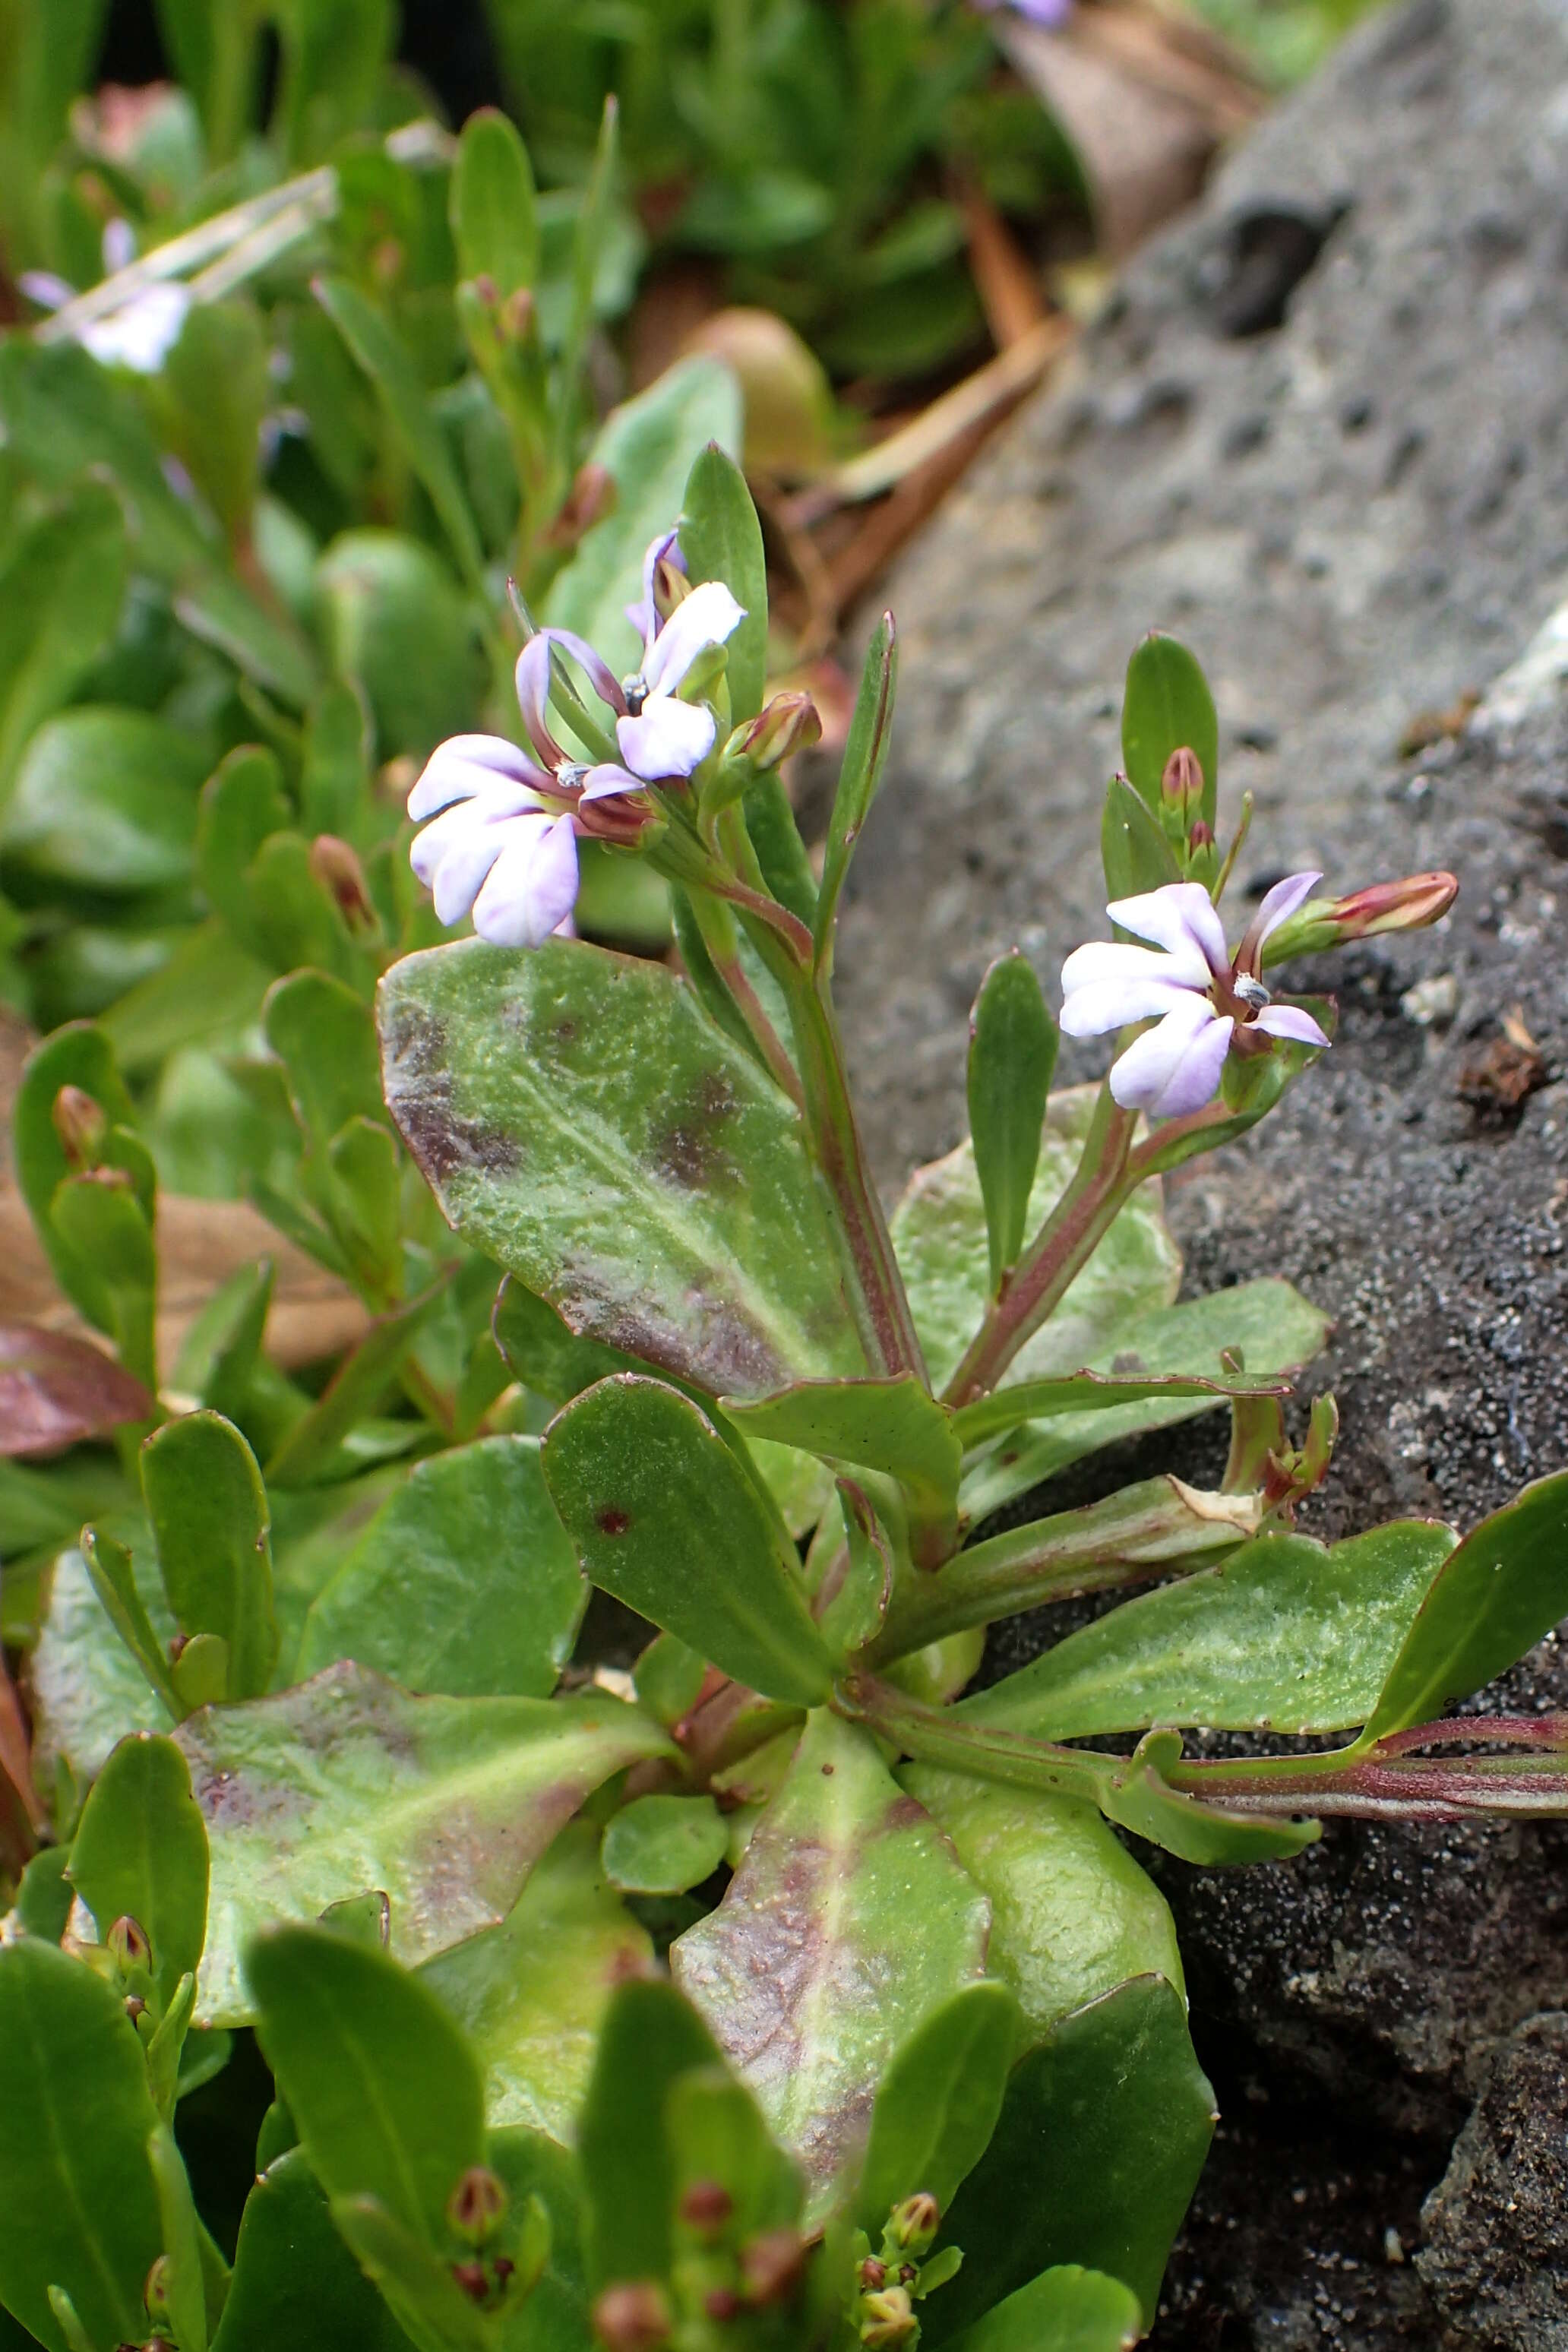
1128 1538
1098 1190
717 926
935 1736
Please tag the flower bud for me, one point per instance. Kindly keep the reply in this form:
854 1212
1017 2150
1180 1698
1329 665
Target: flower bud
156 2294
887 2317
476 2206
788 723
1181 788
722 2302
912 2226
337 867
472 2280
706 2206
517 314
128 1943
1407 905
633 2316
771 2266
80 1124
873 2273
590 498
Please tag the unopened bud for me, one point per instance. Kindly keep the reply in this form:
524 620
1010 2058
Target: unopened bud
789 723
632 2317
887 2317
472 2280
127 1941
337 867
706 2206
590 498
135 2008
1181 787
722 2302
671 587
80 1124
476 2205
517 314
873 2273
913 2225
771 2266
1405 906
156 2294
1200 836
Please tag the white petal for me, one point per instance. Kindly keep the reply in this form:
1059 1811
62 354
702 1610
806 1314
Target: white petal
141 336
1197 1076
42 286
1179 917
532 890
1106 1005
1103 960
469 858
671 738
467 764
708 616
1276 906
601 782
1143 1075
1290 1021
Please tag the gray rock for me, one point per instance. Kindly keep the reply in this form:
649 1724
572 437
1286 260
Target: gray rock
1354 517
1495 2257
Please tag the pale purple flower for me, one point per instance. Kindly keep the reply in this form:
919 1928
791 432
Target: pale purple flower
1205 1002
1050 13
140 335
492 849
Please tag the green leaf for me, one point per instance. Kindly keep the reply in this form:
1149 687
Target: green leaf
295 2282
76 2114
141 1853
582 1120
651 2037
648 446
721 538
808 1973
313 1449
214 388
387 362
893 1426
346 1782
89 1688
394 617
1012 1055
662 1515
263 642
323 1035
939 1231
1102 2138
463 1582
532 1993
184 2289
209 1512
717 2134
542 1353
534 2168
64 415
78 1055
334 783
242 805
60 593
495 225
1167 707
105 800
1286 1634
936 2106
1137 1796
1072 1915
382 2084
103 1226
663 1844
1268 1322
1066 2309
1088 1392
865 757
1134 852
1494 1598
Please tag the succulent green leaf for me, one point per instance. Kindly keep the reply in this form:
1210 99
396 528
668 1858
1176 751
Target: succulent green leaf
1013 1045
663 1515
1136 854
582 1120
385 359
532 1993
721 538
939 1232
60 593
264 643
1494 1598
1137 1795
394 618
463 1582
647 446
76 1056
64 415
295 2281
325 1038
865 758
1167 707
1286 1634
242 805
184 2287
215 387
103 1226
101 1665
141 1852
1100 1391
1066 2309
651 2037
334 780
893 1426
76 2114
538 2171
807 1973
1102 2138
382 2084
209 1512
105 800
495 223
1072 1915
313 1449
663 1844
347 1783
717 2133
936 2106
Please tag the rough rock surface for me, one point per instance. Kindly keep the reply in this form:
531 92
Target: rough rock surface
1348 490
1496 2258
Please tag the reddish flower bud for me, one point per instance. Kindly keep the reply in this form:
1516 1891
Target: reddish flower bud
887 2318
1182 786
128 1942
914 2224
706 2206
722 2302
590 498
336 865
471 2279
632 2317
80 1124
771 2266
476 2205
788 723
873 2273
1408 905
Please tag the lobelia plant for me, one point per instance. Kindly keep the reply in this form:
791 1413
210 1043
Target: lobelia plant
326 1752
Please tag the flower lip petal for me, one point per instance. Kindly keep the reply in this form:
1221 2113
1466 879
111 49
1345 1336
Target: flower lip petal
1179 917
466 765
1195 1079
1279 904
532 890
708 616
1111 959
668 738
1140 1077
1105 1005
461 873
601 783
1292 1022
644 615
534 680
